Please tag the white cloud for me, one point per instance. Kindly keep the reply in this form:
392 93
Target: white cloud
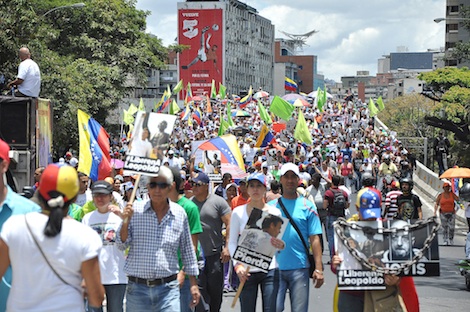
352 35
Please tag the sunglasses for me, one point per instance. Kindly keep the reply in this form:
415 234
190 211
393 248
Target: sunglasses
160 185
194 184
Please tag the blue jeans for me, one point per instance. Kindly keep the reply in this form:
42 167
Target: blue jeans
330 233
161 298
115 297
297 281
269 283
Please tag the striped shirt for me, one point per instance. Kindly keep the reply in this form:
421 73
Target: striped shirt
154 244
391 203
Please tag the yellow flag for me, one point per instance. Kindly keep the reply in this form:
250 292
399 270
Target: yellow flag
142 105
132 109
301 131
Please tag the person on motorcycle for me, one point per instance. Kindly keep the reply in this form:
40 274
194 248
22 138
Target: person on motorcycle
387 167
391 197
409 205
368 182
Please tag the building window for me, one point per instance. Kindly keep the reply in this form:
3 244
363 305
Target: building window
452 28
453 9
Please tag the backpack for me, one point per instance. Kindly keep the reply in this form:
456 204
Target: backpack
441 145
339 204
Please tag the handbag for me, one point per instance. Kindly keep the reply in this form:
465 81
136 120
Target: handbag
310 257
45 258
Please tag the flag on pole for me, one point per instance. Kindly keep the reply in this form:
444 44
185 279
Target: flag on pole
178 87
223 125
320 99
185 113
94 159
380 103
229 115
372 108
301 131
247 99
174 108
127 118
281 108
264 114
209 105
213 90
141 105
189 94
197 116
132 109
222 91
265 137
290 84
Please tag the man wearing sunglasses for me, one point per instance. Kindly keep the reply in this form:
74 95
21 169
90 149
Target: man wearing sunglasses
214 212
155 230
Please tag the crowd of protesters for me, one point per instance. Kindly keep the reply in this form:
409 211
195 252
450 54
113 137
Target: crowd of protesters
346 146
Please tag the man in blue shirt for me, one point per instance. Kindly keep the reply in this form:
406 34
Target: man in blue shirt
292 260
10 204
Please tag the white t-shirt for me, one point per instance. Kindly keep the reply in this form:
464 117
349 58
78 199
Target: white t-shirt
35 287
82 199
29 72
111 258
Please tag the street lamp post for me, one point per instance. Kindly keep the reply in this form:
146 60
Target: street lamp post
457 19
75 5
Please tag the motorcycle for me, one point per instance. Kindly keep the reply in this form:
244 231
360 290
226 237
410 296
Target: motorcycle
387 184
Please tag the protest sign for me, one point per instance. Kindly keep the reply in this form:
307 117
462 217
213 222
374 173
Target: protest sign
254 246
397 246
149 143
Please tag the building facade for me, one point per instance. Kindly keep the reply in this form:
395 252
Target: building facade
455 30
228 42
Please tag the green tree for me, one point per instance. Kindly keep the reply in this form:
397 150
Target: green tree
90 58
450 89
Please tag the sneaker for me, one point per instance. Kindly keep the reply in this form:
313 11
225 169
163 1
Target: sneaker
446 243
451 242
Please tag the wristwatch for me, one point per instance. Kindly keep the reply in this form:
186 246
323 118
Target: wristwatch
318 271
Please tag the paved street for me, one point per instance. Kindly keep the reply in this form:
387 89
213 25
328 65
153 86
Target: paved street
444 293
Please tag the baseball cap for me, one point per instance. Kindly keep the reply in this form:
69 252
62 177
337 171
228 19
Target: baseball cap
166 173
370 205
201 177
119 177
73 162
4 150
128 186
289 167
346 157
58 180
101 187
258 177
171 152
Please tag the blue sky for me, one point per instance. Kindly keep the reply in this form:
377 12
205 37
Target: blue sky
351 36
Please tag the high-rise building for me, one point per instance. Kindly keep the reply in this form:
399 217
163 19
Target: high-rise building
455 31
228 42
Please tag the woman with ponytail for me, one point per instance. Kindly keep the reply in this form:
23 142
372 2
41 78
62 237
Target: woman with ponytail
51 253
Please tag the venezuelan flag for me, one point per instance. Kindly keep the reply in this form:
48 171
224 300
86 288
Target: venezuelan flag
185 113
231 156
247 99
290 84
94 158
265 137
197 116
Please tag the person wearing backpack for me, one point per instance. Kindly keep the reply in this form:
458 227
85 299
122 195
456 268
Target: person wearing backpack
441 148
336 202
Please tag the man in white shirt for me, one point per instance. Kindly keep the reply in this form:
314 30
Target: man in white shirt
28 81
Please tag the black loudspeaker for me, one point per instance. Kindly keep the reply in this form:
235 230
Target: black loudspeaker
15 121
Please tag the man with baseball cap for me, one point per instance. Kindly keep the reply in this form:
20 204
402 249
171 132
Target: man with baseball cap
10 204
293 261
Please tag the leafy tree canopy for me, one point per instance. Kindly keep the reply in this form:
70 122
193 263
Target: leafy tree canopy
90 57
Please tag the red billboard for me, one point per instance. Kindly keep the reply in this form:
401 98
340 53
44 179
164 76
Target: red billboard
202 31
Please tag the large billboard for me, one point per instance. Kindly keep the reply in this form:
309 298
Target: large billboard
202 30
